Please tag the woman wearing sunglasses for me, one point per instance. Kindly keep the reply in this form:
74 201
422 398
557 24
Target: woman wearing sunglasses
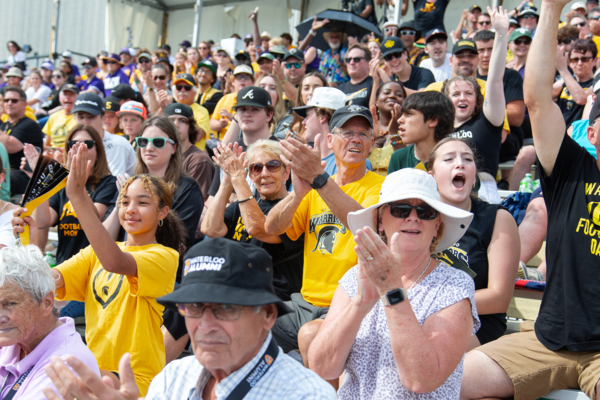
58 210
159 94
180 61
400 321
120 282
244 219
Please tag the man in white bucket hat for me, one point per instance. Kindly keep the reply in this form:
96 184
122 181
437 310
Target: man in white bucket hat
400 321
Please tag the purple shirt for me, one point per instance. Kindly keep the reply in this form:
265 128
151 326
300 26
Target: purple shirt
60 342
113 80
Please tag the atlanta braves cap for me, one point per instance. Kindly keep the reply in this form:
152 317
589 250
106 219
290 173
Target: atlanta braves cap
253 96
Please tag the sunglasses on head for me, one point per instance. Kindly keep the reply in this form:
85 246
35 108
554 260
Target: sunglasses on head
89 143
356 60
390 57
187 88
14 101
522 41
403 210
408 33
257 168
582 59
295 65
159 77
579 25
158 142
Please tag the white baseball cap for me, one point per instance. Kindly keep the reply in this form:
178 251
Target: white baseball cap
411 183
324 97
579 4
67 54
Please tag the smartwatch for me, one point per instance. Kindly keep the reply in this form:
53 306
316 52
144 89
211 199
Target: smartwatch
394 296
320 181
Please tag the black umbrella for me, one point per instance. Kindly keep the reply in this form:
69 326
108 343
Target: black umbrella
342 21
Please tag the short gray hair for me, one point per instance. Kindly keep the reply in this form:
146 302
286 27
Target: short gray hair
26 267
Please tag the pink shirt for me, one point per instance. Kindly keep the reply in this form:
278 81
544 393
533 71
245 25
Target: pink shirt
60 342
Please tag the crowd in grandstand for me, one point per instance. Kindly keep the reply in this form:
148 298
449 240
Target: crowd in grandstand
307 222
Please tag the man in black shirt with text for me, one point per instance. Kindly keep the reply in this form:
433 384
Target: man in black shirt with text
359 87
562 350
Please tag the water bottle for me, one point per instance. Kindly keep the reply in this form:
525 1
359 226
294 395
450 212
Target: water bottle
50 259
526 185
536 184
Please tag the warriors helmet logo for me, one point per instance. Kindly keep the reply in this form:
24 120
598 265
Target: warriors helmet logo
268 359
326 239
594 210
389 43
186 267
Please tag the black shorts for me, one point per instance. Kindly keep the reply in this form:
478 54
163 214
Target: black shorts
509 150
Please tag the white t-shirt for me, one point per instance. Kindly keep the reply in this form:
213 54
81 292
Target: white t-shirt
41 94
442 73
119 154
7 238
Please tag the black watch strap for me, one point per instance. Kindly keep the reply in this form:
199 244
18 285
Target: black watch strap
320 181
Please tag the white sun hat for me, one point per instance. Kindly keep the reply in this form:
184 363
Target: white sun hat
411 183
324 97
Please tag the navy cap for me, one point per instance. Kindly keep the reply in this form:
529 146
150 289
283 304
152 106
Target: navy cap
179 109
253 96
112 104
464 44
88 102
69 87
185 77
342 115
225 271
293 52
391 45
435 32
123 92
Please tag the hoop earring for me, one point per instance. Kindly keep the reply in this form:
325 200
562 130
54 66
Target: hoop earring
160 223
434 240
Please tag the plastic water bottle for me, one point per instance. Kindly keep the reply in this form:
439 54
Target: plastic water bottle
50 259
526 185
536 184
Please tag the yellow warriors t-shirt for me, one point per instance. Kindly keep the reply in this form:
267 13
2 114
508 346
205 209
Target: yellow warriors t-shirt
227 102
121 311
57 127
329 245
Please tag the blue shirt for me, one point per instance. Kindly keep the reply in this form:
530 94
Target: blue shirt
286 379
113 80
95 82
331 167
579 135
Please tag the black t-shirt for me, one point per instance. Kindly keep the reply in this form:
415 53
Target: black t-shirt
52 101
471 250
419 77
569 317
27 131
71 238
188 203
430 15
360 93
570 109
360 7
485 137
288 256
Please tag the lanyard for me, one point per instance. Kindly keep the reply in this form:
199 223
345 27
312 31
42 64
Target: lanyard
260 369
16 386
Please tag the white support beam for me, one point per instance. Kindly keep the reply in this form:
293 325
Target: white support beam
197 20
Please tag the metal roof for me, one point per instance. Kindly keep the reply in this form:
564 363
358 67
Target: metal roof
171 5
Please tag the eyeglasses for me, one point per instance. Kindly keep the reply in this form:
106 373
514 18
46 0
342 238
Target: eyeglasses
56 76
187 88
349 135
159 77
580 24
87 66
356 60
295 65
519 42
403 210
89 143
144 61
223 312
158 142
14 101
408 33
484 23
257 168
221 55
243 77
567 41
582 59
389 57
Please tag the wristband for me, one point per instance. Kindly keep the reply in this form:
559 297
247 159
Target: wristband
245 200
236 121
151 89
313 33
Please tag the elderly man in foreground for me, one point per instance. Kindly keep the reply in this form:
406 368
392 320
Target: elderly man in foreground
30 330
229 304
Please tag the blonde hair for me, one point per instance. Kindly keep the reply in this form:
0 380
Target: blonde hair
276 41
279 108
266 146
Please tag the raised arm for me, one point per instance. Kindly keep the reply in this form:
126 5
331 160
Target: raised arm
316 25
579 95
495 103
459 28
547 122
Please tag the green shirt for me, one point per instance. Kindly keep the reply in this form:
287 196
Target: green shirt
404 158
5 187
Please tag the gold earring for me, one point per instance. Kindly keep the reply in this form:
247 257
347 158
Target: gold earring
160 223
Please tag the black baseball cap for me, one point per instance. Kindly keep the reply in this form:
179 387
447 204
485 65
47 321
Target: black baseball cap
225 271
112 104
293 52
465 44
123 92
90 61
595 112
185 43
342 115
253 96
179 109
390 45
435 32
187 78
410 25
475 7
243 53
88 102
70 88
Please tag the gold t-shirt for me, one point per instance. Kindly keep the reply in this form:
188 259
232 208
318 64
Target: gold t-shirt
57 127
227 102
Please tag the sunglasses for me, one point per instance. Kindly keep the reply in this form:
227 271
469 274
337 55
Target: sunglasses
56 76
295 65
567 41
389 57
14 101
145 61
157 142
109 62
187 88
257 168
484 23
582 59
403 210
523 41
595 18
408 33
356 60
580 24
89 143
159 77
202 48
528 16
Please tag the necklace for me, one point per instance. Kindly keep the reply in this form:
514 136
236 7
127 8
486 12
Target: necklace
415 282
